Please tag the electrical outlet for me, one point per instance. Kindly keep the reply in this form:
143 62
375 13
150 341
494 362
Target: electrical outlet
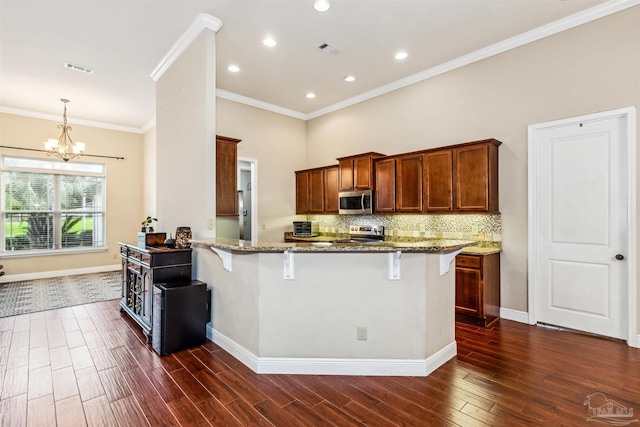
474 229
210 224
362 332
264 226
115 256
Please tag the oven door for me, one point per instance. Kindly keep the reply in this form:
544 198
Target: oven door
355 202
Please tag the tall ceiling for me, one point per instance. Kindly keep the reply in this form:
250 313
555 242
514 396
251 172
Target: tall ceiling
124 41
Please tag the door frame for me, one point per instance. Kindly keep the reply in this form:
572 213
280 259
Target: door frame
629 114
254 195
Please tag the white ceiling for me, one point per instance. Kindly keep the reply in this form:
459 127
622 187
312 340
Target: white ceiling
124 41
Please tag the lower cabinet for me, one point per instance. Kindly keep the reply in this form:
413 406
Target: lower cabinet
478 288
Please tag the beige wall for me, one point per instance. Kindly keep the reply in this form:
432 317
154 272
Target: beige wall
279 144
591 68
149 174
124 186
185 150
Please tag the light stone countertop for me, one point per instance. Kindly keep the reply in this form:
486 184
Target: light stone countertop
428 245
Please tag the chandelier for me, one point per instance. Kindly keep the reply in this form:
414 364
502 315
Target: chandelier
64 147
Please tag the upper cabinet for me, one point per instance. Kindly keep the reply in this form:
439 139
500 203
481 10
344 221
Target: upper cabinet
409 171
438 181
398 184
331 182
317 190
356 172
385 190
475 167
459 178
226 176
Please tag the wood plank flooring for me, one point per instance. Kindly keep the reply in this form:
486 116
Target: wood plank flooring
90 365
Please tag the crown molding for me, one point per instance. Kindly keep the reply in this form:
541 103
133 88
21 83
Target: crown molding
57 118
202 21
148 126
260 104
547 30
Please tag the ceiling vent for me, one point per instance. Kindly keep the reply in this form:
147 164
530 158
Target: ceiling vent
328 49
80 68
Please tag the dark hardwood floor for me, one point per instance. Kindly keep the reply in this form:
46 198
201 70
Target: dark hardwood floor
90 365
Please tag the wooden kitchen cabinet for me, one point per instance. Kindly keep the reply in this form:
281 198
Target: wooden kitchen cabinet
385 190
302 192
409 184
438 181
398 184
475 168
226 176
317 190
331 183
478 288
356 172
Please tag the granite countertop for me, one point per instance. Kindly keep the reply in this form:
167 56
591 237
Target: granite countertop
475 248
428 245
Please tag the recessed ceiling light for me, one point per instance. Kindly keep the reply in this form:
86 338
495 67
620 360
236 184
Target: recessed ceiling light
401 55
311 95
349 79
269 42
233 68
321 5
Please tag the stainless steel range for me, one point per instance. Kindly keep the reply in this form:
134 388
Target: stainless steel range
366 233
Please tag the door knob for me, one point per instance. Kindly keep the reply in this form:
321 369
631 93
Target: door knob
619 257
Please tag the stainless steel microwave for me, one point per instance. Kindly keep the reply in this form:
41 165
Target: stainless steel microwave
357 202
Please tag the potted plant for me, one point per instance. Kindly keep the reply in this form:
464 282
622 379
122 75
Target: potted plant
146 224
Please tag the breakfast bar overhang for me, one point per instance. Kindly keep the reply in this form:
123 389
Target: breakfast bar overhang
297 308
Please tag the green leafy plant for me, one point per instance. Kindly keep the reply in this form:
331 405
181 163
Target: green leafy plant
147 222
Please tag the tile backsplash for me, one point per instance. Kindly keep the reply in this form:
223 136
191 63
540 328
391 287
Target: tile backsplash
481 227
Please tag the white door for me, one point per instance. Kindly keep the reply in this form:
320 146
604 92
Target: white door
578 200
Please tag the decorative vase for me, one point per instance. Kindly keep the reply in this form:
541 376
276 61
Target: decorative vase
183 235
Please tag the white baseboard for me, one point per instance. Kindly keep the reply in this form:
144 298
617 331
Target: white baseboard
515 315
333 366
58 273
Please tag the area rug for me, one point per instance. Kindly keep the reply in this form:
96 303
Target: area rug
29 296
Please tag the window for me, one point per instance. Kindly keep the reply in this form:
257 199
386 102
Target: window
51 206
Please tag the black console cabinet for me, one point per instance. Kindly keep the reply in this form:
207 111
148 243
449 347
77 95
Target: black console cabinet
142 268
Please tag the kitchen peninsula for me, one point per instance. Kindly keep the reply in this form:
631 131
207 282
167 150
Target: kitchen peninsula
333 308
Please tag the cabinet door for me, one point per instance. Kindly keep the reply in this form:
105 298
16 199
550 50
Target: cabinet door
331 190
302 192
468 291
409 183
362 173
345 172
226 176
316 191
438 181
476 178
385 191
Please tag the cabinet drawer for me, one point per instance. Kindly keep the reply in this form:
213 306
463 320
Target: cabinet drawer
468 261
